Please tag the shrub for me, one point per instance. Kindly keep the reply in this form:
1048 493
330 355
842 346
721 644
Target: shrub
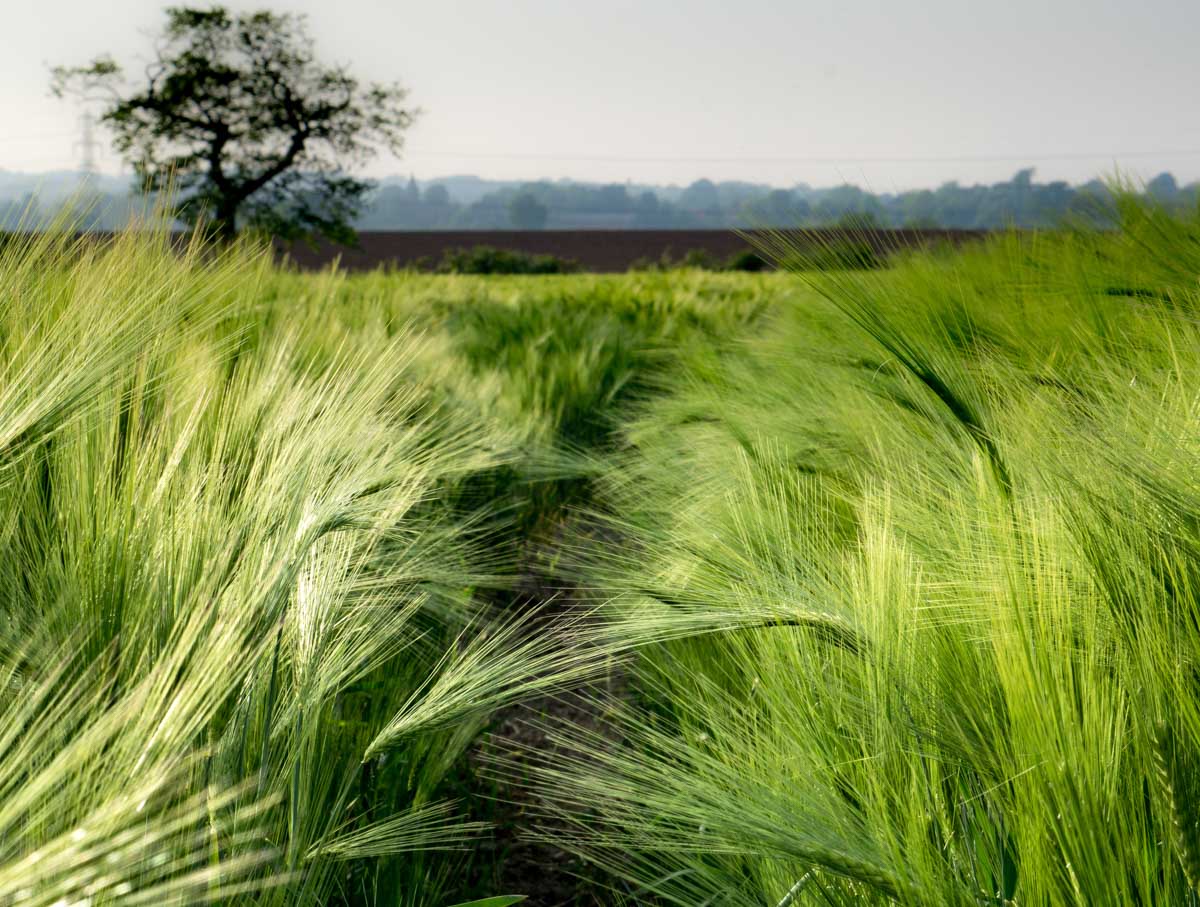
702 259
489 260
746 261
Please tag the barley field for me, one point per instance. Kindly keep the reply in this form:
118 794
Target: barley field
874 586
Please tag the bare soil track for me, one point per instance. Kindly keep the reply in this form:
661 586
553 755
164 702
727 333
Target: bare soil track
526 853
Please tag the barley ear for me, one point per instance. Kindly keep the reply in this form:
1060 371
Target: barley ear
1177 789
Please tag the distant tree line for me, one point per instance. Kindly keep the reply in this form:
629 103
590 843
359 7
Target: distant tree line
436 205
1019 202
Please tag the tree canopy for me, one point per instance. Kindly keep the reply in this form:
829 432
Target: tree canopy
526 212
236 116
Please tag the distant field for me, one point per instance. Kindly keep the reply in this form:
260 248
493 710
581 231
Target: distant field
588 251
601 251
817 586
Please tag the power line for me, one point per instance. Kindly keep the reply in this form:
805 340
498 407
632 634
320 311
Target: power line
1035 157
801 159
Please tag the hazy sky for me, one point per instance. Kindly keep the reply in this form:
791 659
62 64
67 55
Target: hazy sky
886 93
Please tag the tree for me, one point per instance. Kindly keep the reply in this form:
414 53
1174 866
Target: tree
526 212
239 119
700 196
438 196
1163 188
779 208
848 205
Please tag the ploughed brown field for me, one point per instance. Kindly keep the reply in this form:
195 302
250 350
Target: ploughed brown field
594 250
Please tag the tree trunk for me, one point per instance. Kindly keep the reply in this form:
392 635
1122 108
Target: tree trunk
226 223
